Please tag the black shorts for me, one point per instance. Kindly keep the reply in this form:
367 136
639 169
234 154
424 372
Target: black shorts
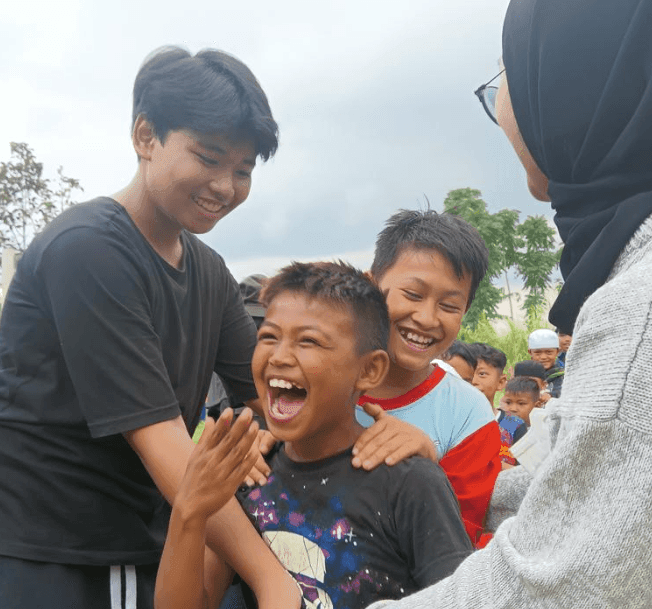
27 584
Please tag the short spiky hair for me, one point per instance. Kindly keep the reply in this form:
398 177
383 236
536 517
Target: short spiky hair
492 356
452 237
523 384
342 285
208 93
462 350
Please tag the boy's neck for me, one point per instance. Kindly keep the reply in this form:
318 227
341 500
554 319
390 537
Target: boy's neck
318 448
161 233
399 381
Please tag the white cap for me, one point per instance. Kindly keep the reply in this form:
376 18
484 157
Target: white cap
543 339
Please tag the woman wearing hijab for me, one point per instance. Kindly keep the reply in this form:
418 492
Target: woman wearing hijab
576 104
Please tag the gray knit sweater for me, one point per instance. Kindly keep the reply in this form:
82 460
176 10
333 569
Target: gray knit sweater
579 534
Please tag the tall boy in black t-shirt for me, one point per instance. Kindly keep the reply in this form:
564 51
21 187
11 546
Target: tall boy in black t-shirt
348 536
111 329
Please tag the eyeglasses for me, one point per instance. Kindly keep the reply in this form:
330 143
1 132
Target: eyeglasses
487 96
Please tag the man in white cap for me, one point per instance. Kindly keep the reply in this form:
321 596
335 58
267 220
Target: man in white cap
543 347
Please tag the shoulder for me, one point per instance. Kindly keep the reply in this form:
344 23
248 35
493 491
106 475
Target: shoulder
83 228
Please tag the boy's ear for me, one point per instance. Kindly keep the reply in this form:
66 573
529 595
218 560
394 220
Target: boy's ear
373 371
502 381
143 138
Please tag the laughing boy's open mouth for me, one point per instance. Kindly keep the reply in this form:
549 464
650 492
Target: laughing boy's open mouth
286 399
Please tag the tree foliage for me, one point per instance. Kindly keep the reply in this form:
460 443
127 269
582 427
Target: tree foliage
28 201
527 248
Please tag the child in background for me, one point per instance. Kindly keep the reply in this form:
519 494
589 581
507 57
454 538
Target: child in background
522 394
347 535
564 344
543 347
429 266
462 359
521 398
489 376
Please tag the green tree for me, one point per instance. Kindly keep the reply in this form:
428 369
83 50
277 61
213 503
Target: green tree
536 263
528 248
27 202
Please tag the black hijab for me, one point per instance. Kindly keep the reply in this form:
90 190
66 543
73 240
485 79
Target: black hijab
580 80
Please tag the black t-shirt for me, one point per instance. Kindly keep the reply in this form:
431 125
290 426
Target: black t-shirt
99 336
354 536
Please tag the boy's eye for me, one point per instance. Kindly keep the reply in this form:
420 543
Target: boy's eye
449 307
207 160
308 340
244 174
412 295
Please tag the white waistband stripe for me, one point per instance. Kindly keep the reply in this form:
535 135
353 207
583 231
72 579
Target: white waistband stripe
115 586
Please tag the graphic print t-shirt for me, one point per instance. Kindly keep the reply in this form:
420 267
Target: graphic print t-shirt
351 537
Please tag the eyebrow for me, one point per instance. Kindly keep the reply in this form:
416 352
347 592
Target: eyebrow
299 329
424 284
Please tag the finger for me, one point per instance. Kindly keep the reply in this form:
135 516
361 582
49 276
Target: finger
235 445
242 468
370 434
267 441
373 410
211 434
375 448
371 459
398 452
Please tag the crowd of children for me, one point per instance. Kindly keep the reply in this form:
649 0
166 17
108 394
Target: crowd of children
382 461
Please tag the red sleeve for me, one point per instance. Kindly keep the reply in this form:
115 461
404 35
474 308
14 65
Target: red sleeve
472 468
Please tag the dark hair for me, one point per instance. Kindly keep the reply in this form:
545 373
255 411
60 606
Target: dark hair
523 384
530 368
462 350
490 355
211 92
452 237
342 285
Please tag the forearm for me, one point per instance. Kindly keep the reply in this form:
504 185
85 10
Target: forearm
181 573
230 534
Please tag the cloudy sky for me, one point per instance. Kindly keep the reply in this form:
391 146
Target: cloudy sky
374 101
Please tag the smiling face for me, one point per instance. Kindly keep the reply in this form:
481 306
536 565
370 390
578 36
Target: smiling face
488 379
546 357
565 341
309 375
426 302
193 181
518 404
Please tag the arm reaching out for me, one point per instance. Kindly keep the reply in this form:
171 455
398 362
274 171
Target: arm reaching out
389 441
165 449
215 469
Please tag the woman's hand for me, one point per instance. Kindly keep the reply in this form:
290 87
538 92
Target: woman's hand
390 440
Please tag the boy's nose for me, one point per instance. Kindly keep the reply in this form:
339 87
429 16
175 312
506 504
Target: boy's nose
222 187
426 316
281 355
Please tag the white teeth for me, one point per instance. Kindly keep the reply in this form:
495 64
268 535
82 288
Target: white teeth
422 340
283 384
210 207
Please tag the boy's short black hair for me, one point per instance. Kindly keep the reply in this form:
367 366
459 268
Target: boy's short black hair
462 350
342 285
448 234
523 384
490 355
208 93
530 368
